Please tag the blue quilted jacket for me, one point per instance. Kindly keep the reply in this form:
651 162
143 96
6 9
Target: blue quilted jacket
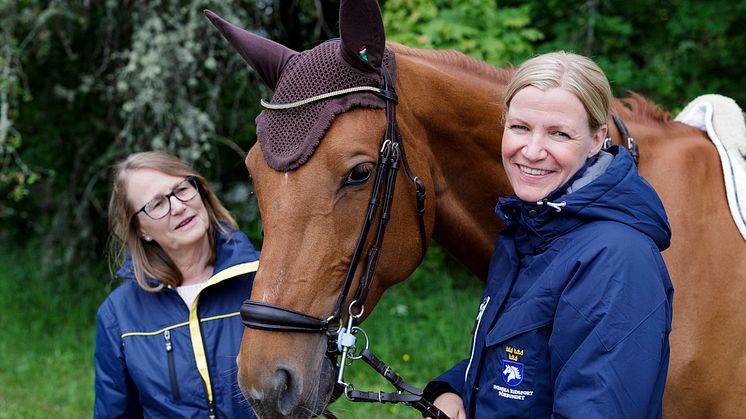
577 312
157 358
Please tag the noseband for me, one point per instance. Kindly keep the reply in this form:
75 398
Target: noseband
341 340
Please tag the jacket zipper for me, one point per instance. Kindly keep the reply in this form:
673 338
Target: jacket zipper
482 307
171 365
213 411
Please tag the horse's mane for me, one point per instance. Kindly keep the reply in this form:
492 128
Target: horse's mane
634 107
637 108
457 61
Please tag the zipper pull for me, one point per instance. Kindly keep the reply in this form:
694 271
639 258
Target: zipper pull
167 336
483 306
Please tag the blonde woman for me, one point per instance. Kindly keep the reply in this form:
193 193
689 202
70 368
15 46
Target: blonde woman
577 312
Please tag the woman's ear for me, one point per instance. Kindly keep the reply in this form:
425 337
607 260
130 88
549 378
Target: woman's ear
598 139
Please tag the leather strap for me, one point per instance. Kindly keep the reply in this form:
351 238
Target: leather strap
632 146
412 397
259 315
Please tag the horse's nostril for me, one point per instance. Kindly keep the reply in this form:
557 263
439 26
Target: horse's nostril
286 388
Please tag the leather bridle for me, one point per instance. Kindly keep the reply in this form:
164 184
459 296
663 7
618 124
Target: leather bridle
632 147
341 340
264 316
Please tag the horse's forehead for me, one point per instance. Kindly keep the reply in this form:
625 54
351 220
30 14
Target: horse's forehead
289 137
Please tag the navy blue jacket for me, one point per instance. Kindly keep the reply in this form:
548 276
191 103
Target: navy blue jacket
577 312
157 358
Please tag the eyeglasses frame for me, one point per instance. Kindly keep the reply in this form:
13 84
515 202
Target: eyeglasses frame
191 179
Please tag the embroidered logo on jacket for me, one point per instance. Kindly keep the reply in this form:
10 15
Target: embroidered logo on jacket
512 373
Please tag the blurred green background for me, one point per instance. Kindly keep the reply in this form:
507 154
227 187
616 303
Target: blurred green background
84 83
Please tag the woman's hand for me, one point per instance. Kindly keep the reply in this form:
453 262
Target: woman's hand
452 405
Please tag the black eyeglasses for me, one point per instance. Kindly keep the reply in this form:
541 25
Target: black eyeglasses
160 206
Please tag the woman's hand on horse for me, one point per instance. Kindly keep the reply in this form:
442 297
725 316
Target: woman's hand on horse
452 405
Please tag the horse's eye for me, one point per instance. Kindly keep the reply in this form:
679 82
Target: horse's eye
359 174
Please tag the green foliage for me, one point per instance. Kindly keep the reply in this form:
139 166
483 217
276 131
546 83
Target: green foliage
15 174
474 27
671 53
168 83
88 83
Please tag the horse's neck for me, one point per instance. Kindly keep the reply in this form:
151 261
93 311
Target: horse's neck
455 121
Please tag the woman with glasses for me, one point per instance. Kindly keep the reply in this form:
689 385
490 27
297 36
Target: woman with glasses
167 338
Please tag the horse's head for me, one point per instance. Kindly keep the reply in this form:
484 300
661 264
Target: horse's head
314 169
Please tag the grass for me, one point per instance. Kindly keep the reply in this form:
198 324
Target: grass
46 349
420 328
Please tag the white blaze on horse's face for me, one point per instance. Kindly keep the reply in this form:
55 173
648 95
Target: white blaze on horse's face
546 140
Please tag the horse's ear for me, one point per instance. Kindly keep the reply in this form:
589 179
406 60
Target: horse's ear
361 30
267 57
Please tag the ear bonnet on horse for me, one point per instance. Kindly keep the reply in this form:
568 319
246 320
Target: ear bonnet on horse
288 137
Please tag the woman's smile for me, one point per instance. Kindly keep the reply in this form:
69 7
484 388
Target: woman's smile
185 222
533 171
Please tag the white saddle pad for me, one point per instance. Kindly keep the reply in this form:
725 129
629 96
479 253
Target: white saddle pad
724 122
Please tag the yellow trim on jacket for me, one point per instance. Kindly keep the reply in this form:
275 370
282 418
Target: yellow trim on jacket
194 321
158 332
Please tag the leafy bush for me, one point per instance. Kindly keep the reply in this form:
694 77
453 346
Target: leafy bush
87 83
671 53
474 27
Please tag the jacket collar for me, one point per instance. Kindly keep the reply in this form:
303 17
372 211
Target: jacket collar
232 248
615 193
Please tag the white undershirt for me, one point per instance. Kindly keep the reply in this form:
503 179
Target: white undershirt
189 292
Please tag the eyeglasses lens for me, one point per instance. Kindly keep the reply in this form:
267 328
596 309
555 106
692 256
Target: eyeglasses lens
160 206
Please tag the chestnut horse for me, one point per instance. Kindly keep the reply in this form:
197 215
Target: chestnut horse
450 116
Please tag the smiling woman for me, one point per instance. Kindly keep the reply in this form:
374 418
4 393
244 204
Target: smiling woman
562 318
546 141
167 338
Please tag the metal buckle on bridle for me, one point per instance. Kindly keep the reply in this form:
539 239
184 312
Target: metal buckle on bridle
632 146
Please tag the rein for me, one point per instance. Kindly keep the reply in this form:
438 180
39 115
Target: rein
342 340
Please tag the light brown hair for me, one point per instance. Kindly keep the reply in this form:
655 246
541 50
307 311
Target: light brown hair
148 258
575 73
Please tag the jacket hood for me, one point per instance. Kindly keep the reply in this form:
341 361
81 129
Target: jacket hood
232 249
617 193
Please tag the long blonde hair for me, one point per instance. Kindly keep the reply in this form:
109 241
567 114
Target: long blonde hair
575 73
148 258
